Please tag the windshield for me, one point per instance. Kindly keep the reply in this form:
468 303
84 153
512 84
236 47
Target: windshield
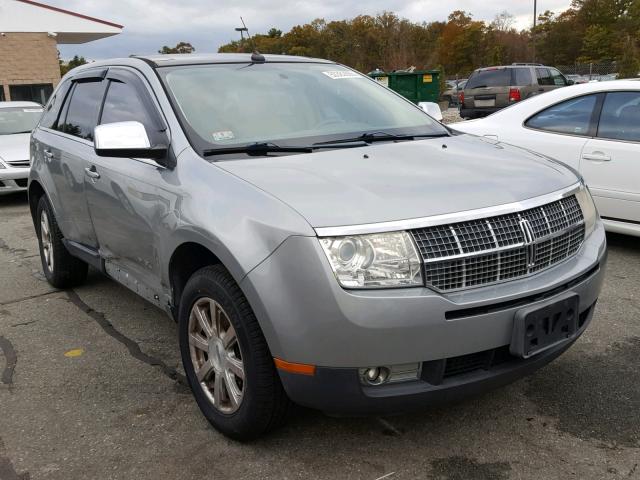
19 119
288 103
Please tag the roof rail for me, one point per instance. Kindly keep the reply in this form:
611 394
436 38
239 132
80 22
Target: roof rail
525 64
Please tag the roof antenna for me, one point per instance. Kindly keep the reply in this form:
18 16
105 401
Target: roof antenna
256 56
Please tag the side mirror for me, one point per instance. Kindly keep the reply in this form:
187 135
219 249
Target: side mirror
433 109
125 139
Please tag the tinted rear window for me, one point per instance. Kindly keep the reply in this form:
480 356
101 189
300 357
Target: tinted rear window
490 78
84 107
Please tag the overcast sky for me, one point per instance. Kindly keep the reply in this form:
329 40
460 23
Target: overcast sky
150 24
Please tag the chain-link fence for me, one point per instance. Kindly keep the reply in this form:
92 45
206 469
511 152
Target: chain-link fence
586 72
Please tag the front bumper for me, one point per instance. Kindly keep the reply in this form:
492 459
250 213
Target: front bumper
338 391
308 318
13 179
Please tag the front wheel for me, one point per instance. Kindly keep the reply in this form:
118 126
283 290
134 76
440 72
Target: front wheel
226 357
61 269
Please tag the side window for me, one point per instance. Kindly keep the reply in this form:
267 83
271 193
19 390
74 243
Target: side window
620 117
84 107
544 77
571 116
52 110
123 104
522 77
558 78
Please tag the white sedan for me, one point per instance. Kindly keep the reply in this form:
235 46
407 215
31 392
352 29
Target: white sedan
594 128
17 119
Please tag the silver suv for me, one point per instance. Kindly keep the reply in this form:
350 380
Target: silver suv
318 238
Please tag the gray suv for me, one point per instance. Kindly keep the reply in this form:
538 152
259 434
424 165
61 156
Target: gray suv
492 88
318 238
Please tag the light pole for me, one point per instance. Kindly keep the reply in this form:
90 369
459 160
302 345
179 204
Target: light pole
533 32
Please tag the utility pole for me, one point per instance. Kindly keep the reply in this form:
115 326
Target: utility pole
242 30
533 32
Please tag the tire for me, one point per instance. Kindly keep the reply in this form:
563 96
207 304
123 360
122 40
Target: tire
262 403
61 269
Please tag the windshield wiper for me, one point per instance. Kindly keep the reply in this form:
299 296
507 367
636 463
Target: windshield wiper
370 137
260 148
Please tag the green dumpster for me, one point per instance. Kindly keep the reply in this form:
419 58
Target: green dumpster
417 86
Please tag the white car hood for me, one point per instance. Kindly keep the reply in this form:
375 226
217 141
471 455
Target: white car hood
14 147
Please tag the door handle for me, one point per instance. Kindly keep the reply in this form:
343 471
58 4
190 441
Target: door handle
596 157
541 89
48 155
91 172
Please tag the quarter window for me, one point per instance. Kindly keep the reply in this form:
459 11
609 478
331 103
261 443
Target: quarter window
83 110
620 117
52 110
572 116
522 77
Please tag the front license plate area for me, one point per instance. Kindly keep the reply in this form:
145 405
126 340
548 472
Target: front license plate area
541 327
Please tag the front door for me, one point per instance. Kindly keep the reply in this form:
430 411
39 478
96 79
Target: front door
126 207
610 162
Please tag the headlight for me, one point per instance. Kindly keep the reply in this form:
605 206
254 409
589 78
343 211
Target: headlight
381 260
2 164
589 211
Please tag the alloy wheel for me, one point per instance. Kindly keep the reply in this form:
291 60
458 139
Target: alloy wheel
216 355
47 243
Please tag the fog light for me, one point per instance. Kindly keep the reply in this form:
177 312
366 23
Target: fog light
390 374
376 375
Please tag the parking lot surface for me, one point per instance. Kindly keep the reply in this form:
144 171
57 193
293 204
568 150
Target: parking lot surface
91 387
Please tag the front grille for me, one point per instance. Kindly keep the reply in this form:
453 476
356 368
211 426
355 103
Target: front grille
494 249
19 163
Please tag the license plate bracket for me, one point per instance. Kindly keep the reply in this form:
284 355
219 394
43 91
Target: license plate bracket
541 327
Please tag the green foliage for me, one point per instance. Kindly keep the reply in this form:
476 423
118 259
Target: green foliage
181 47
76 61
589 31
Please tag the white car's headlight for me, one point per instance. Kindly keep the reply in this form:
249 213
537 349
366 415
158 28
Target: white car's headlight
589 211
2 163
381 260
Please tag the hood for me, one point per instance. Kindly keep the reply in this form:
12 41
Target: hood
14 147
397 181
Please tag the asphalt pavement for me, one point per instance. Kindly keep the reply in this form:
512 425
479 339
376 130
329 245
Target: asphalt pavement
91 387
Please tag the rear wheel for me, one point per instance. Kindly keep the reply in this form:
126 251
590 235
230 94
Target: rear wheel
226 357
61 269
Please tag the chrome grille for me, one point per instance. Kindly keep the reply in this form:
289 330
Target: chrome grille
494 249
19 163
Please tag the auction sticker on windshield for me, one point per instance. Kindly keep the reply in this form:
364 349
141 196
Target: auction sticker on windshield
338 74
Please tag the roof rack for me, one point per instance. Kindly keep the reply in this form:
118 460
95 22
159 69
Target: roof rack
526 64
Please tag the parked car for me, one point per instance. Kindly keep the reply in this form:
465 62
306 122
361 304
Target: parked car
577 79
452 93
318 238
490 89
595 129
17 119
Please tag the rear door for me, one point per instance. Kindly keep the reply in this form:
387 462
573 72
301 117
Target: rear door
488 88
66 145
610 162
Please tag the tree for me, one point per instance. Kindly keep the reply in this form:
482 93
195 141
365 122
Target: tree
181 47
76 61
629 65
